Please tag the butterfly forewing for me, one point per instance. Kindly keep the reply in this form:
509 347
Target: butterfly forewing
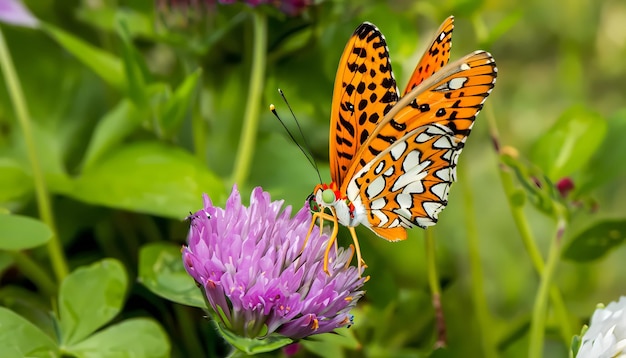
365 90
435 57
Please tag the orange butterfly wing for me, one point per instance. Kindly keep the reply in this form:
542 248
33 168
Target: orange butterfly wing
435 57
411 156
364 91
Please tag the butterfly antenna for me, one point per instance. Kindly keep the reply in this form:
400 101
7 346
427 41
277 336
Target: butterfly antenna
307 151
306 143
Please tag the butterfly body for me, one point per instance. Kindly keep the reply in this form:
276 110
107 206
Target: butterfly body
393 158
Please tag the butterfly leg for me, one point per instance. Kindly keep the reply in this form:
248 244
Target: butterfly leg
332 239
308 234
316 216
360 263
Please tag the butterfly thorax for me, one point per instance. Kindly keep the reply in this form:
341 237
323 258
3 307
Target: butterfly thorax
349 213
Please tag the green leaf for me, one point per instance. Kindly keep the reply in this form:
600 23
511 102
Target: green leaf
253 345
137 338
6 261
502 27
15 183
602 168
22 232
596 241
116 125
148 177
89 298
570 143
105 65
536 187
177 106
30 305
133 68
20 338
106 18
332 344
161 270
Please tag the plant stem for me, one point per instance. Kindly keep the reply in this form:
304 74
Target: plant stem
435 290
188 332
55 248
537 324
476 269
523 227
251 116
34 272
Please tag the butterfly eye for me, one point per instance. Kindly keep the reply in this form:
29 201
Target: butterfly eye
328 196
312 204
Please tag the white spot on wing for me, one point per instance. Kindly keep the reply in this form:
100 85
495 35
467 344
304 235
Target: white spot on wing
411 174
441 190
376 187
432 208
379 167
443 142
411 160
465 67
382 217
415 187
422 138
378 203
389 171
457 83
404 214
444 174
398 149
424 222
437 129
405 200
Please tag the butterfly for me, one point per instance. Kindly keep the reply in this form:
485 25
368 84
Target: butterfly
393 158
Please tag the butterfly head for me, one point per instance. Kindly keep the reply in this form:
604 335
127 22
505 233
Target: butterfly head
323 196
328 196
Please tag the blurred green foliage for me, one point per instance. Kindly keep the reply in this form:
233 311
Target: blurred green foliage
137 110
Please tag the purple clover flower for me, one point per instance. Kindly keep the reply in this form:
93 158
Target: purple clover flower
248 262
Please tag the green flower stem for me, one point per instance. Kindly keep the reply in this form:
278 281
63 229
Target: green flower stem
537 324
435 289
528 240
188 332
55 248
251 116
34 272
199 133
236 353
476 270
523 227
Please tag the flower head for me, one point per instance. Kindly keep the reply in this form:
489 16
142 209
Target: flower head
257 277
565 186
606 336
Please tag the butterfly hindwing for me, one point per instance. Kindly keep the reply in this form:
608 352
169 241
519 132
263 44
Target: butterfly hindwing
408 183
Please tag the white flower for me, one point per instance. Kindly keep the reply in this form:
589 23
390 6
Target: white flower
606 336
